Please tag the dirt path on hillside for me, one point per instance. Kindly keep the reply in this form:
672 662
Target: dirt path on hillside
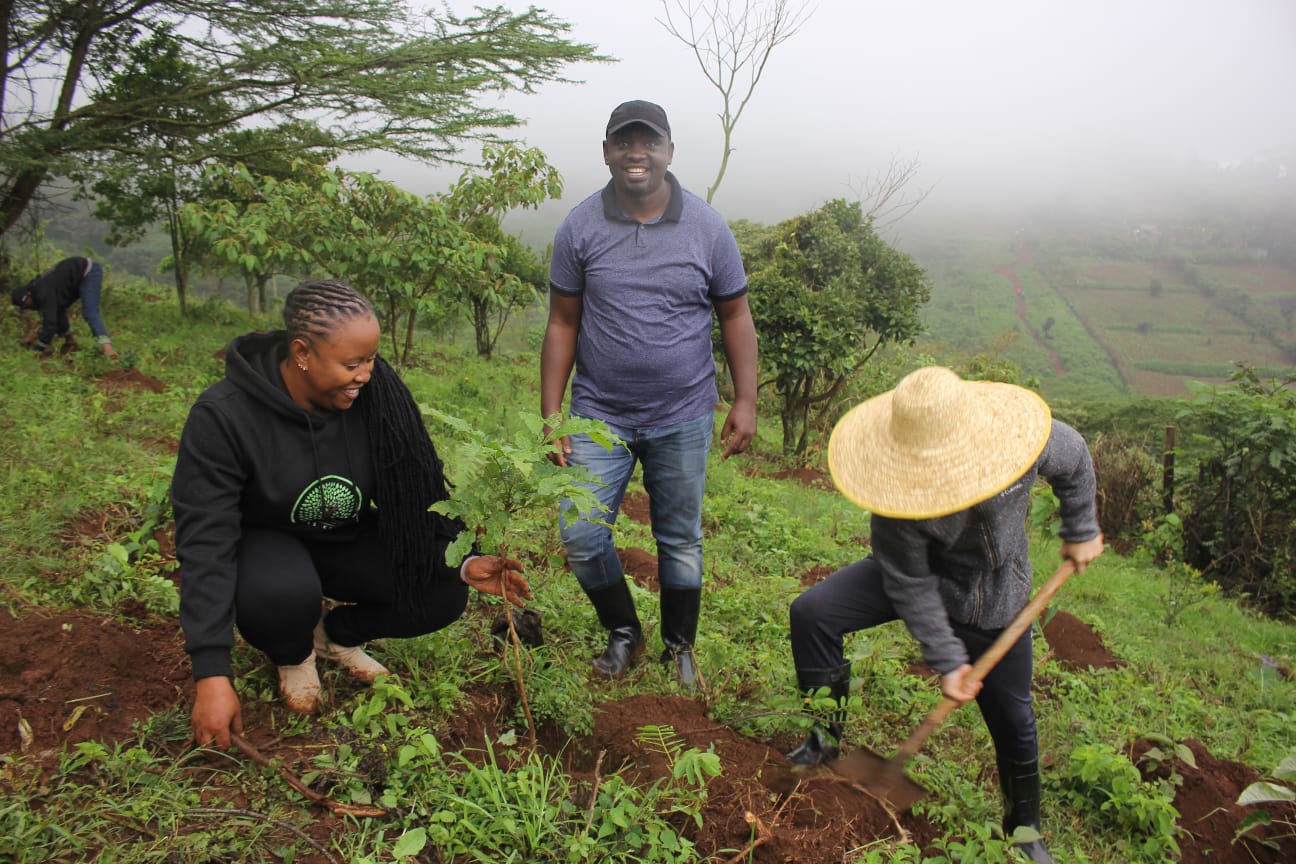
1009 272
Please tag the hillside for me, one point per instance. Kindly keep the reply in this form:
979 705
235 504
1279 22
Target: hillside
1144 726
1090 326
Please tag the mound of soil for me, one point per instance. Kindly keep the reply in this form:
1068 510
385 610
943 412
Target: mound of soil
634 506
811 477
1208 812
1075 645
759 810
129 379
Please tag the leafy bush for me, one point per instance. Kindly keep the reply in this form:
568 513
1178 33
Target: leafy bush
1240 528
1108 788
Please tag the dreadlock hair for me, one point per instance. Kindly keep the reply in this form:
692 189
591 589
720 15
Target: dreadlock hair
409 476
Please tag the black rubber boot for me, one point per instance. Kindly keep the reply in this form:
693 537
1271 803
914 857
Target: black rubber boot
616 612
823 745
680 608
1020 782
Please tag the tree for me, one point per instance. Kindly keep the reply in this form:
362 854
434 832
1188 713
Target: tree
883 196
732 45
155 167
512 276
826 293
499 482
418 259
1240 525
392 245
369 76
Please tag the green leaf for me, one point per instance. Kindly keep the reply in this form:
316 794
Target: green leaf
1254 819
1263 792
410 843
1185 754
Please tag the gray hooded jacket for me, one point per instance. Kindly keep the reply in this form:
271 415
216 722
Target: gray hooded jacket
973 567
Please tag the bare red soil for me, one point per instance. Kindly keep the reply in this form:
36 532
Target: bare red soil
75 677
130 379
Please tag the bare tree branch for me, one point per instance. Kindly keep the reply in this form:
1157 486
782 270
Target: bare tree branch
732 42
885 196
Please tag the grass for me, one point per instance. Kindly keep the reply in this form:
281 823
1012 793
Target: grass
72 450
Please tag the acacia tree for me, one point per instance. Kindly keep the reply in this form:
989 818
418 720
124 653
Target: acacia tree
377 75
732 43
155 167
826 293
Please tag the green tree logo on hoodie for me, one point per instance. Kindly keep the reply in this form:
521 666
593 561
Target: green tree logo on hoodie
329 503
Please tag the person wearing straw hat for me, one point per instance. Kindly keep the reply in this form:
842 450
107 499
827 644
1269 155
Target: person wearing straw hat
945 467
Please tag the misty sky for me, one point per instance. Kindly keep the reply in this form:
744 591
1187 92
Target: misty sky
1014 96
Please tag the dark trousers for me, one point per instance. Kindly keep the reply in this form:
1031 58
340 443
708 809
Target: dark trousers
282 581
853 599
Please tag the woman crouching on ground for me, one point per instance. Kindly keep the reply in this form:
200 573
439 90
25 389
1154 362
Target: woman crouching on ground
285 496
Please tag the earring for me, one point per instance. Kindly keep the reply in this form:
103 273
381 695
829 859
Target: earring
301 366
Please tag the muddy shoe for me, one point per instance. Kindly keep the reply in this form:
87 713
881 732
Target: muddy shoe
819 748
300 686
353 659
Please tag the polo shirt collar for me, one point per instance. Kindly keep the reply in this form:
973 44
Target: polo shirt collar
674 207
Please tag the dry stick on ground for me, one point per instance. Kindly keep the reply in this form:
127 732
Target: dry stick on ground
763 834
222 811
336 807
598 778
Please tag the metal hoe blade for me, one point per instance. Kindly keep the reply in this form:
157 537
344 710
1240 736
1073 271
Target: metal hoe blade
882 778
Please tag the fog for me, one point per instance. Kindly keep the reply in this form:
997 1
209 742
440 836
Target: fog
1001 103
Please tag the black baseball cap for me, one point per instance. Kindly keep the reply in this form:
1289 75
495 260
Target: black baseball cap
638 111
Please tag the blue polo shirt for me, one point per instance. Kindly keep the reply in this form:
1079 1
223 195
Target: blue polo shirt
643 353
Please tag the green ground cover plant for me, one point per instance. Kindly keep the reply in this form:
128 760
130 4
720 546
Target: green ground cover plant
76 449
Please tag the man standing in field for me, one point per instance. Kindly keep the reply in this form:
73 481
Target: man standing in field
637 269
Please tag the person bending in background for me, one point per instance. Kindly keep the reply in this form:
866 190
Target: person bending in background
284 496
638 268
53 292
945 467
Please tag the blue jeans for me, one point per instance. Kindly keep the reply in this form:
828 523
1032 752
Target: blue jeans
674 474
90 287
853 599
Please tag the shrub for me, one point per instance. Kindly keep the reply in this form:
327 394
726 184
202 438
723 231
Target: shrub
1107 787
1240 525
1127 487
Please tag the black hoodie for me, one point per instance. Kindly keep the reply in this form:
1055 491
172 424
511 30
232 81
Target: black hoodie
249 455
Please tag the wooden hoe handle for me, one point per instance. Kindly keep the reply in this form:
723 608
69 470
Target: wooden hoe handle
981 668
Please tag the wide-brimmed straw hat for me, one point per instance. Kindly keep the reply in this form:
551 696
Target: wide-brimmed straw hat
936 444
